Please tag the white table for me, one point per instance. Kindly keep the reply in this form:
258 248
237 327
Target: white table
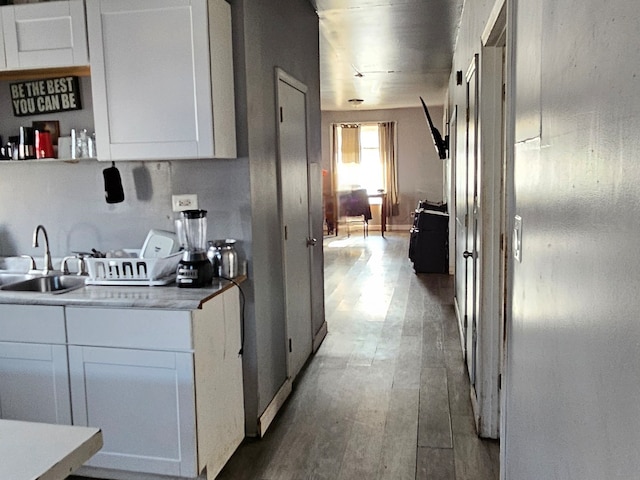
42 451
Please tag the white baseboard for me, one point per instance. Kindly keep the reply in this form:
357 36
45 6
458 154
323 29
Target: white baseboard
274 407
319 337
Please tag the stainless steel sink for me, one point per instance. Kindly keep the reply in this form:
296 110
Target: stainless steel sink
10 277
46 284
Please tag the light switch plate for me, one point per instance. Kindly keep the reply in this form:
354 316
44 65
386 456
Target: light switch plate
517 238
188 201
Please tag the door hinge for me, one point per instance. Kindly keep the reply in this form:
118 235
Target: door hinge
464 323
286 233
281 115
290 346
499 381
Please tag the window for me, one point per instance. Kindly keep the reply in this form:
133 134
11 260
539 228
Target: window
364 156
358 160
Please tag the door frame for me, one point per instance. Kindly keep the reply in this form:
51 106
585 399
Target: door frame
493 155
500 30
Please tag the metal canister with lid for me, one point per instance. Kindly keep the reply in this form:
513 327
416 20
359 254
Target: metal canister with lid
223 256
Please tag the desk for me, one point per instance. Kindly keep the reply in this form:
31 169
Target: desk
330 216
383 210
30 451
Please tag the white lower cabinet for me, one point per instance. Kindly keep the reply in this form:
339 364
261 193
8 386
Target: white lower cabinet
34 377
164 386
144 403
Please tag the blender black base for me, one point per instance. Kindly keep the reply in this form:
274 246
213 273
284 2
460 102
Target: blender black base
194 274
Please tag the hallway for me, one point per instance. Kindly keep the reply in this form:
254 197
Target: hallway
386 395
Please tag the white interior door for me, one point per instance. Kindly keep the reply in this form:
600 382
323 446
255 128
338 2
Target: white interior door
472 252
294 201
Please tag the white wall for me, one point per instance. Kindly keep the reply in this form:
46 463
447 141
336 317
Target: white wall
572 364
419 168
575 332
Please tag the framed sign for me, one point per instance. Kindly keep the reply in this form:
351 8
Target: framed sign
37 97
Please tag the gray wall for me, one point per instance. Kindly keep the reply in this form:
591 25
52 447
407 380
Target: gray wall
68 199
572 361
419 168
278 33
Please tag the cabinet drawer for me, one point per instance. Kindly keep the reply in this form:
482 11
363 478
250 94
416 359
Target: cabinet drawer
129 328
32 324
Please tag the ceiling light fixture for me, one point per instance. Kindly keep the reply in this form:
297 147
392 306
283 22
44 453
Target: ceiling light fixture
355 101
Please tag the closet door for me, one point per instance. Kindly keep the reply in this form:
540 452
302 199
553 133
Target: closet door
294 201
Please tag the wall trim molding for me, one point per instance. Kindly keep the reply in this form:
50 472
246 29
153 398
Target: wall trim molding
264 421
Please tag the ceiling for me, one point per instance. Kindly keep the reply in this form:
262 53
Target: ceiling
386 52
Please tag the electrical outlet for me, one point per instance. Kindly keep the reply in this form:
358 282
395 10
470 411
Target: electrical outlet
187 201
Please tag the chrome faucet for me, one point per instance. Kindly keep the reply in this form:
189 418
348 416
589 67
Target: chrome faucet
48 267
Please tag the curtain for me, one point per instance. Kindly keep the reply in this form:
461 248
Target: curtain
350 143
386 136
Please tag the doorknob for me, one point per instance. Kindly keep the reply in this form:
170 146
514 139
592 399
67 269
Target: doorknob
311 242
467 254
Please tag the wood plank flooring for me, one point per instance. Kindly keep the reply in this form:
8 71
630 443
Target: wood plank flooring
386 396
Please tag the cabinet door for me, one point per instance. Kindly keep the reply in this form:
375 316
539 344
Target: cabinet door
34 383
51 34
151 79
218 366
144 403
3 57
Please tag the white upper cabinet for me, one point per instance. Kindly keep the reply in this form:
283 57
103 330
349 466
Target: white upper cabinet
162 79
42 35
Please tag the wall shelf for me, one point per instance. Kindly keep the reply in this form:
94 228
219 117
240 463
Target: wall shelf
50 160
40 73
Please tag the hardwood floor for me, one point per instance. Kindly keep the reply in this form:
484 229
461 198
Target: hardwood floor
386 396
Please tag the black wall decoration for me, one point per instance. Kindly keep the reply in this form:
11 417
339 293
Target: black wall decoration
37 97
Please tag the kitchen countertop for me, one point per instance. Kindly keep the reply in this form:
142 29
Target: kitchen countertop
168 297
32 450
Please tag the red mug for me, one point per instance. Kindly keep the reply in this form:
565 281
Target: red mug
44 147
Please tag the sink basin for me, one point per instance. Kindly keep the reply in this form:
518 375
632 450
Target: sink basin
6 278
46 284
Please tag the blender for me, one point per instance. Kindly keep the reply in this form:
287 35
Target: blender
194 269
